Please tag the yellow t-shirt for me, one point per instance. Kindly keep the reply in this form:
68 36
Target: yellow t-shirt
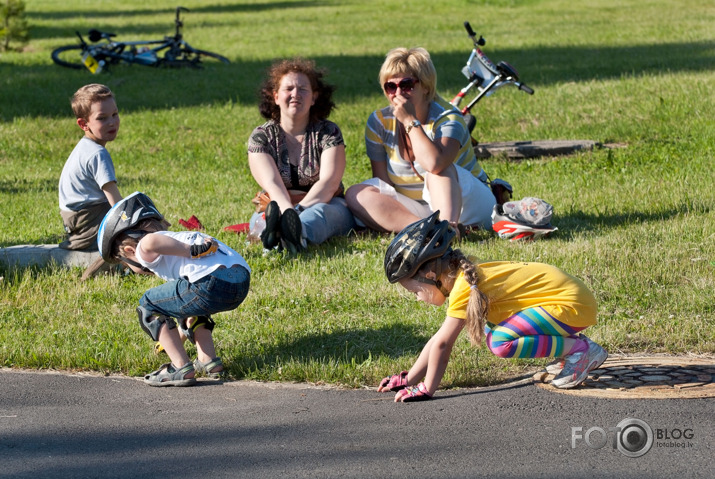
515 286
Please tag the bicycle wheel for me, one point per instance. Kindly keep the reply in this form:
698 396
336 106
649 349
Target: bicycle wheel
69 56
203 55
189 57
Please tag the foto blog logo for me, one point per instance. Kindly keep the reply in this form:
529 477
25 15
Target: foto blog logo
632 437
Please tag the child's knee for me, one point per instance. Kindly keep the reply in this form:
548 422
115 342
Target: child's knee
189 326
152 323
501 349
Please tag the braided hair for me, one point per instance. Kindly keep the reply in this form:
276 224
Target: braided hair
478 304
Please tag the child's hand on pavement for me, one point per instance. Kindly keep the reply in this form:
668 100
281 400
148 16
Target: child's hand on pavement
414 393
393 383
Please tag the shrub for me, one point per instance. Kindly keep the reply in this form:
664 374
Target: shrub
13 25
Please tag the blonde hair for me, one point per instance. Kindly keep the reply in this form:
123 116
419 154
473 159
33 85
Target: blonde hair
414 62
83 98
478 304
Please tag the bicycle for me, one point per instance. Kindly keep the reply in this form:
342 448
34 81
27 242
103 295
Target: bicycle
98 56
485 76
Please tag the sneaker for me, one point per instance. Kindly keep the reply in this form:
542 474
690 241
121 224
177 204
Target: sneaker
292 231
601 357
270 235
555 367
578 365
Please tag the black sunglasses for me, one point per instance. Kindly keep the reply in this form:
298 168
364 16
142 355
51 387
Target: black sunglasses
406 85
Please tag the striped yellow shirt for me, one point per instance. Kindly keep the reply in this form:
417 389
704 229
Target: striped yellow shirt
444 121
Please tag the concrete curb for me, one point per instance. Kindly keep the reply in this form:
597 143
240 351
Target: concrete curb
24 256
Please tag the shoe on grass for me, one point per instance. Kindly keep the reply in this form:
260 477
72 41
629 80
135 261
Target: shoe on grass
271 234
292 232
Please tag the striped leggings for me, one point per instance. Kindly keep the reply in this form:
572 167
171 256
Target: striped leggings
532 333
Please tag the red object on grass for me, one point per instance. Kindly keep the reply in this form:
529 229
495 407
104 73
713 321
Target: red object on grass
239 228
192 224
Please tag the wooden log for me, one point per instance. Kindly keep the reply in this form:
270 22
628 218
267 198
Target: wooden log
520 150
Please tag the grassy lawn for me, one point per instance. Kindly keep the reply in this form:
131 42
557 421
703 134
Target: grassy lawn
636 223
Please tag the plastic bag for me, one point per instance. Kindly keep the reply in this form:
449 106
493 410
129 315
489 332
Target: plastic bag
256 227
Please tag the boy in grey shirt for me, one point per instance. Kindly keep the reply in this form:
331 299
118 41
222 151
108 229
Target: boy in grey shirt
88 184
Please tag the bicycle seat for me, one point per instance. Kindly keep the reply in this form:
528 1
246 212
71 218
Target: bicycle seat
96 35
507 70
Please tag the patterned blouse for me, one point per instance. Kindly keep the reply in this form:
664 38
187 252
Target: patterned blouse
269 138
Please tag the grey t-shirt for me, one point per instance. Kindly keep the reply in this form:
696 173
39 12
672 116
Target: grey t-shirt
88 168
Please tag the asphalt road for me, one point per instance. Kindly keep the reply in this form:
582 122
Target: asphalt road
77 426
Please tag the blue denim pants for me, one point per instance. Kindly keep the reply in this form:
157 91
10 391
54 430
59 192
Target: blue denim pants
325 220
223 290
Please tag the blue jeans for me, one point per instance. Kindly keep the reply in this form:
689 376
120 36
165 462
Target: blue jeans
223 290
325 220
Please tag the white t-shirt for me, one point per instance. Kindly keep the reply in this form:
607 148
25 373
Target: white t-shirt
169 267
88 168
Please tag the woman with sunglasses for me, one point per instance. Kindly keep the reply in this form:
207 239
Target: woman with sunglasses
421 154
298 158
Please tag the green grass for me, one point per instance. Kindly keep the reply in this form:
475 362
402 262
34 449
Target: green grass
636 223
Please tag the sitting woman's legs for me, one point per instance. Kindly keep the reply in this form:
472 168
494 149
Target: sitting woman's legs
532 333
379 207
325 220
476 201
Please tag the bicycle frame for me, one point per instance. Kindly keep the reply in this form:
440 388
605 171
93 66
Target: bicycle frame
139 51
104 51
94 56
484 75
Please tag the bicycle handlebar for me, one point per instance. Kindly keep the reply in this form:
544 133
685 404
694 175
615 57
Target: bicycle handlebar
526 89
473 35
178 13
470 32
177 22
81 40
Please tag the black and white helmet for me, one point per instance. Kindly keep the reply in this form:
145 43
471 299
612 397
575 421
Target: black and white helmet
416 244
123 216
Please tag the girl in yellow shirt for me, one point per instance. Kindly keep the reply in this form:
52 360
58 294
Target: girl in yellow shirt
524 310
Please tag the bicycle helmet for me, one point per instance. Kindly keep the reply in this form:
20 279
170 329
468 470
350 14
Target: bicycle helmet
123 216
417 244
527 219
